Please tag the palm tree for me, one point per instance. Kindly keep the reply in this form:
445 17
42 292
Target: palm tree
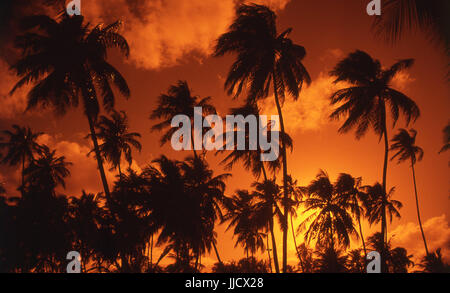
241 214
48 171
433 263
329 220
379 203
200 181
265 58
446 132
428 16
268 195
179 100
192 191
21 147
356 263
397 259
330 260
365 102
348 190
404 144
116 140
66 61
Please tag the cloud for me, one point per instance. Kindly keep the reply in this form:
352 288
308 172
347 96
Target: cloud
402 80
164 33
437 234
311 110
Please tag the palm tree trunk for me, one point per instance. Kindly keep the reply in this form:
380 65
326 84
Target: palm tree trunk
268 250
274 247
120 171
272 234
417 206
151 252
295 243
99 158
193 145
362 237
383 209
285 173
360 228
23 172
217 253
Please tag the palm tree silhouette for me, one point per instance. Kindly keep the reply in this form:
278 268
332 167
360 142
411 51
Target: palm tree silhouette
356 263
251 159
241 216
329 219
179 100
433 263
404 144
351 196
265 58
400 16
397 259
379 203
21 147
116 140
364 103
330 260
66 61
48 171
265 209
190 189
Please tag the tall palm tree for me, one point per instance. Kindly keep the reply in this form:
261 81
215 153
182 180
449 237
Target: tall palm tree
265 58
251 159
21 147
329 221
116 140
379 203
65 59
200 181
364 104
265 209
405 148
351 196
179 100
241 216
48 171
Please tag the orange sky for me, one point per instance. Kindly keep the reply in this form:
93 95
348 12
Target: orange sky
172 39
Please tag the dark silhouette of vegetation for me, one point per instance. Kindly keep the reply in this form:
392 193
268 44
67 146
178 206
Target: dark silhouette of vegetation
365 103
116 140
164 218
65 60
265 59
404 144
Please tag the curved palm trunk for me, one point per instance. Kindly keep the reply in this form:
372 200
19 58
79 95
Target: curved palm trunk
360 229
217 253
417 206
383 216
99 158
285 173
272 234
296 247
274 248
